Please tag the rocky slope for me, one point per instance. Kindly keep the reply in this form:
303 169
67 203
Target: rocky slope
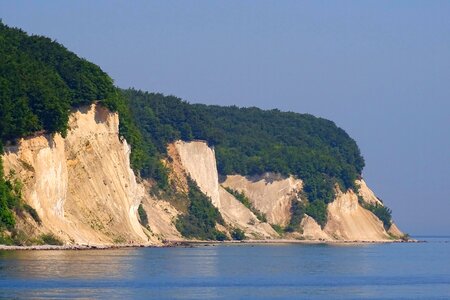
85 192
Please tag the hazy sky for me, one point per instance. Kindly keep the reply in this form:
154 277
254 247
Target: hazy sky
379 69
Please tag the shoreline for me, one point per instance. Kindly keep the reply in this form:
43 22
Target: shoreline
193 243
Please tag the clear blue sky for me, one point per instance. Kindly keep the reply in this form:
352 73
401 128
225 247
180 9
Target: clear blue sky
379 69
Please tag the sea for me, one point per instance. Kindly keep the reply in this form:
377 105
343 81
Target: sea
233 271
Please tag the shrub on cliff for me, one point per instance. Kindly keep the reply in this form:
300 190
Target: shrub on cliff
381 212
297 212
143 218
10 199
50 239
238 234
318 211
200 220
33 213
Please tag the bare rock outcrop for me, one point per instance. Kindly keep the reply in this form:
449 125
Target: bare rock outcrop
162 217
312 231
367 194
199 161
369 197
82 185
237 215
271 194
347 220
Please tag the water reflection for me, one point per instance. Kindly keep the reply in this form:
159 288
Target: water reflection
86 264
180 267
235 271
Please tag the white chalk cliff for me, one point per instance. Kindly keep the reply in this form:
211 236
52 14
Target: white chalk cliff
85 192
82 185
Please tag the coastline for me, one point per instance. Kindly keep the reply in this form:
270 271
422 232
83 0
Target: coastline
193 243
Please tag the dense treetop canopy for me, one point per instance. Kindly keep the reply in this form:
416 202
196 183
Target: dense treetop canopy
41 81
251 141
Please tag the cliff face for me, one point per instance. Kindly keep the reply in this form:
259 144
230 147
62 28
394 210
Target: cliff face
269 193
81 186
272 195
348 220
85 192
199 162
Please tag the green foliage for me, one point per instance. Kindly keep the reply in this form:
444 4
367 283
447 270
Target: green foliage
33 213
7 219
239 196
220 236
5 239
238 234
297 213
200 220
51 239
381 212
318 211
144 159
251 141
279 229
40 81
20 238
247 203
10 199
143 218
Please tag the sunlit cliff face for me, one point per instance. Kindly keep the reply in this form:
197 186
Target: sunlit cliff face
85 192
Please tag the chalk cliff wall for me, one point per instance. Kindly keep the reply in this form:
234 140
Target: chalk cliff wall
85 192
270 194
347 220
82 185
199 162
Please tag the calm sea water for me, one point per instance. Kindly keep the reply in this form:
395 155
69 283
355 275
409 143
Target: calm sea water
387 271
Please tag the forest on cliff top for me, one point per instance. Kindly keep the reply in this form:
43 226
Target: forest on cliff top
41 81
